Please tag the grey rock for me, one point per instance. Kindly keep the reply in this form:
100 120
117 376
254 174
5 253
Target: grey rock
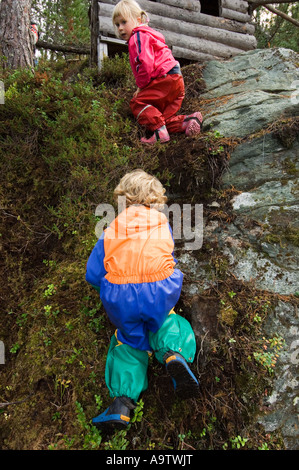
250 91
245 95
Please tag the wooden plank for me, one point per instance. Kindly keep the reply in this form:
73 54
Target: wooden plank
112 40
103 51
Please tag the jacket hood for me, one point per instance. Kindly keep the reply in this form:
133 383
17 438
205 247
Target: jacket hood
148 29
137 221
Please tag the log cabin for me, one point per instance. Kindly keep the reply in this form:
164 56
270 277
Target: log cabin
194 30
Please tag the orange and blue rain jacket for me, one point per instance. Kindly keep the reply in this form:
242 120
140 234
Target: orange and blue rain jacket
133 268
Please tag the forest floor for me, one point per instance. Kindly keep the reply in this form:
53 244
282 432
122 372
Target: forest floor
67 138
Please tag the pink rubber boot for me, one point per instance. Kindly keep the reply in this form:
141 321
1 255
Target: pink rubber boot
192 124
160 134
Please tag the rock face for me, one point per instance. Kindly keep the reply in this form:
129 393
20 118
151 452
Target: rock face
264 168
245 95
251 90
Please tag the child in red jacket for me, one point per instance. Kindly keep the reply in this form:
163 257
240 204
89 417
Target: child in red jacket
161 90
133 268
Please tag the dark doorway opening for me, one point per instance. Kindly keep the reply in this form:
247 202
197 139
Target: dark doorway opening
210 7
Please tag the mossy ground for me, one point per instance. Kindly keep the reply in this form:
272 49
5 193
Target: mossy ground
67 136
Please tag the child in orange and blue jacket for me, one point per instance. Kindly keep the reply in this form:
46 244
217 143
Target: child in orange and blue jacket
133 268
161 90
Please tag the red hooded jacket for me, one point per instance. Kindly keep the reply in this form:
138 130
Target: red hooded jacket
150 57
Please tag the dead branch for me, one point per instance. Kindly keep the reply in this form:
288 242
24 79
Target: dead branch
75 49
3 405
282 15
258 3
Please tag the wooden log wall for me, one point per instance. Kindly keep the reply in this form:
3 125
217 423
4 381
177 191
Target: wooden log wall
188 32
235 10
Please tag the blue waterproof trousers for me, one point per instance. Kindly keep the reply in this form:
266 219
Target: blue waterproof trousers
126 367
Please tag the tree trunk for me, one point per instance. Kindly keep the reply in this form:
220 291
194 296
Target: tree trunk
94 31
15 37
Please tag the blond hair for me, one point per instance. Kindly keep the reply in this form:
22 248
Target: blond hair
129 9
139 187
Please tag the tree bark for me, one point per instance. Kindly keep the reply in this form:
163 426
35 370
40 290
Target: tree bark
94 32
15 37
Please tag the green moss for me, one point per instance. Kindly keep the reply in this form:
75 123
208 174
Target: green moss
227 315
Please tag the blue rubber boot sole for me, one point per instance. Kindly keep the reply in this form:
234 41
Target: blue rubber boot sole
185 383
116 416
105 420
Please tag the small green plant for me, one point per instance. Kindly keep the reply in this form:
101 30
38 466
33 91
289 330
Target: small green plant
209 427
99 401
61 386
75 355
14 349
91 436
257 318
50 263
264 446
22 319
238 442
231 294
96 319
151 446
56 416
218 135
271 350
219 149
51 290
138 412
182 438
235 443
49 312
118 441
